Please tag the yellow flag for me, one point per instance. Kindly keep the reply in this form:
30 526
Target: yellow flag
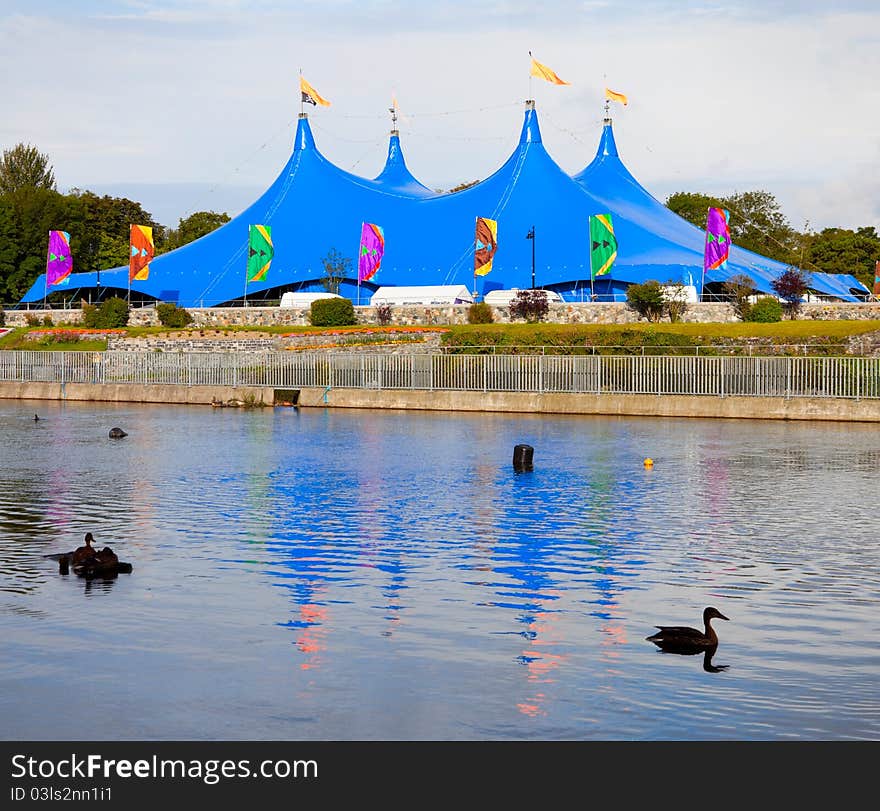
612 96
543 72
310 95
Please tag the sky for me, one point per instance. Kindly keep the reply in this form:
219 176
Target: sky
192 105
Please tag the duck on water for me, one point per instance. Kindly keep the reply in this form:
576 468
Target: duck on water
681 639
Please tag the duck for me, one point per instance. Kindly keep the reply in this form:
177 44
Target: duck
680 639
85 552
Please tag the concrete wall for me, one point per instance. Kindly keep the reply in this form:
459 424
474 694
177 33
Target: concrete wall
647 405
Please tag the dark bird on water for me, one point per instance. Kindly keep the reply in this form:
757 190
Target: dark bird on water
36 417
117 433
680 639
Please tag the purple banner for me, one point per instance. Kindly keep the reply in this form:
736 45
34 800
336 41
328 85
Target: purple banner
59 262
371 252
717 239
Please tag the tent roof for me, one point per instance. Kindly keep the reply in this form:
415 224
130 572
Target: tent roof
314 207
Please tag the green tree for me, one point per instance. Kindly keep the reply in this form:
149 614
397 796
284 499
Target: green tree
26 217
839 250
693 207
647 299
192 228
101 241
24 166
757 224
756 221
739 287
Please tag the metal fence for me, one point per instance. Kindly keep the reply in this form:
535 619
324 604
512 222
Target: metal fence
845 377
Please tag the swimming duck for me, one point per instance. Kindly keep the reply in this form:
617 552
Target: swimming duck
679 639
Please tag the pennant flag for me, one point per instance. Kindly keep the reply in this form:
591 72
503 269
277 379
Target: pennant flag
141 252
717 239
310 95
59 262
612 96
877 280
485 245
543 72
260 252
371 252
603 244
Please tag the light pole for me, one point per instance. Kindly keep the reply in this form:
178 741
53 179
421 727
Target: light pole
531 236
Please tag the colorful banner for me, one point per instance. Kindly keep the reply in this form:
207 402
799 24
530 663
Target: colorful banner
543 72
612 96
310 95
141 252
603 244
485 245
877 280
371 251
59 262
260 252
717 239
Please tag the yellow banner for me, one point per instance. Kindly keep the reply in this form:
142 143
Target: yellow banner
543 72
612 96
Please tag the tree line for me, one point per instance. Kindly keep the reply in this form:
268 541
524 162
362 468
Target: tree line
31 206
758 224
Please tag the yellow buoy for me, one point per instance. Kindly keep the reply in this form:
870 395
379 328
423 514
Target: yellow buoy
649 462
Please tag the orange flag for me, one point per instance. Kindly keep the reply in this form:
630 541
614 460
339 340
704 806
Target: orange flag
310 95
612 96
141 252
543 72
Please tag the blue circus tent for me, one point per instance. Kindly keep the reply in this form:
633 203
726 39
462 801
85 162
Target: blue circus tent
608 179
314 207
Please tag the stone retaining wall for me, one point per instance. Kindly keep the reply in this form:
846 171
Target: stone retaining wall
218 342
567 313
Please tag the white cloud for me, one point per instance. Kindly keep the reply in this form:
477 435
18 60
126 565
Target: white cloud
723 97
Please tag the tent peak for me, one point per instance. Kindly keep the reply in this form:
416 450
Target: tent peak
607 146
304 138
531 132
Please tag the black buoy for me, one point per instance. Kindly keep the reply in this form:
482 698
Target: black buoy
117 433
522 457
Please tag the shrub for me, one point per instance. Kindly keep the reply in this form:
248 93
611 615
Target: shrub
170 315
480 313
2 317
383 314
31 320
766 310
111 314
647 299
676 304
532 305
332 312
47 321
791 285
739 287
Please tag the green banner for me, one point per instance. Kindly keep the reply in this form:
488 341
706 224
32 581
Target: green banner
260 252
603 245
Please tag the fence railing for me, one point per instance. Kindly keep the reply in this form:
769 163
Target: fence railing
844 377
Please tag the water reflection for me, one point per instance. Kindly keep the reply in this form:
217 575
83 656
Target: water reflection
708 655
388 575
